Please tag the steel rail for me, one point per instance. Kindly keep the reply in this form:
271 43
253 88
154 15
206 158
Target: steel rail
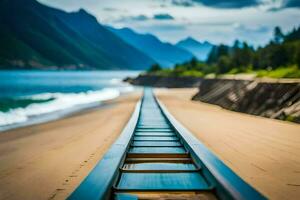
228 184
156 154
98 184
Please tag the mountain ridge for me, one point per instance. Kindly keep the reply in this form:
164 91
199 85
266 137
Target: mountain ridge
37 36
199 49
163 53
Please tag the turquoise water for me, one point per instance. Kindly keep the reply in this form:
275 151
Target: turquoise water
24 95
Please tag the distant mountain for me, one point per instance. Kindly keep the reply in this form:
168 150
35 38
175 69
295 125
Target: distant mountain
165 54
200 50
33 35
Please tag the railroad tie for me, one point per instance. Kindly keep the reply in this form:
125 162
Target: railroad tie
157 163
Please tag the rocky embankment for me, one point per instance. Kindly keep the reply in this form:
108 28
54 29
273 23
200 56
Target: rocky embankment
280 100
164 81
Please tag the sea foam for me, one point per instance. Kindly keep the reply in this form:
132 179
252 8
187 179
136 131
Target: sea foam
61 101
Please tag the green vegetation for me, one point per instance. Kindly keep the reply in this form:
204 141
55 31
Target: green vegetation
282 72
155 68
191 68
33 35
291 118
278 59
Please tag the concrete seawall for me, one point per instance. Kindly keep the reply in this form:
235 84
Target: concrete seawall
166 82
279 100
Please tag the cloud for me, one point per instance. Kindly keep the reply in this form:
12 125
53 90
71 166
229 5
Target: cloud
270 5
114 10
228 3
141 18
174 28
137 18
248 29
163 16
109 9
275 6
220 21
291 3
169 27
183 3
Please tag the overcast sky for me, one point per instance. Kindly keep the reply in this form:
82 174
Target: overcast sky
218 21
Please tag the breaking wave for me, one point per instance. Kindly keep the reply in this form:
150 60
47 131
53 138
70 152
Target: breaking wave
51 102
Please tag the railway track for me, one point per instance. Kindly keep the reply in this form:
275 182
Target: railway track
157 158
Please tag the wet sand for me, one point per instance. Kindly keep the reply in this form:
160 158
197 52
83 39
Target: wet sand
48 161
264 152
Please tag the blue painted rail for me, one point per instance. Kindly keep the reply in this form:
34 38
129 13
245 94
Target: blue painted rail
156 157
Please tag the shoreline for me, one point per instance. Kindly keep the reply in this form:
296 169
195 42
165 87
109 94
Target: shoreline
49 160
60 114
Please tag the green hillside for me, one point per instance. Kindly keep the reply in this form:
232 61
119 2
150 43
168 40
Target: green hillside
36 36
280 58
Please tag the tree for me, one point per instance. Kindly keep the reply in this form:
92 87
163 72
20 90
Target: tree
278 35
155 68
297 56
217 52
193 62
279 56
212 57
293 35
241 56
223 64
236 44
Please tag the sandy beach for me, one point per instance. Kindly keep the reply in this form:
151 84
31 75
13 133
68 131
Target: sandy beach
264 152
48 161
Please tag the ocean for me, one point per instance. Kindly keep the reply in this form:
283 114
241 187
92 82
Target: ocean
31 97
